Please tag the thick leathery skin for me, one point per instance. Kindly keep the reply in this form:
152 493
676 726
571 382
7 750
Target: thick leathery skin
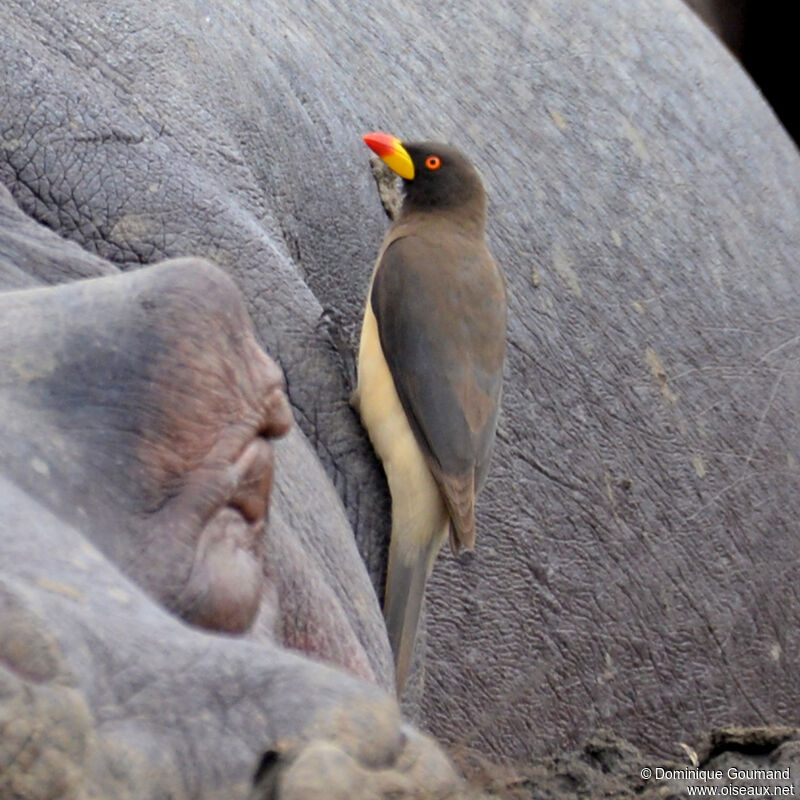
637 563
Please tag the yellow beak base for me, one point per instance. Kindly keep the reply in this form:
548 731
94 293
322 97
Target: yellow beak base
391 151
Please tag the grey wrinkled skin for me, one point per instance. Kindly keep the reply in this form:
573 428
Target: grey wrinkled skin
636 564
106 695
116 467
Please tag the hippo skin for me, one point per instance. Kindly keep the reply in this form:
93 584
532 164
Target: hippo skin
636 565
137 419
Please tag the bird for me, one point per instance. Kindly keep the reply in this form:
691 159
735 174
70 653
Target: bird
430 368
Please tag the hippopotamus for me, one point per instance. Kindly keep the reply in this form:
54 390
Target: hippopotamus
138 421
636 547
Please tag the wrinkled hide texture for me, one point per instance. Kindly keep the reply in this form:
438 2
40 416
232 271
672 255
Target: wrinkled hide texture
636 561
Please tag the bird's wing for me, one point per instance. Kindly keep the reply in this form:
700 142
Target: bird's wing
441 313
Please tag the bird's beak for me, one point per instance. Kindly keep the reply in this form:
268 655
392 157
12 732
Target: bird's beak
391 150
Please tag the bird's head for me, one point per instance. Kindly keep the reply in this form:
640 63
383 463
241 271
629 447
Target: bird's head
435 176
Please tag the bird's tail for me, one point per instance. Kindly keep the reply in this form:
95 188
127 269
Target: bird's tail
405 589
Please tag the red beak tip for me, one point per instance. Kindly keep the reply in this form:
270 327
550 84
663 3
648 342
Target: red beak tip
380 143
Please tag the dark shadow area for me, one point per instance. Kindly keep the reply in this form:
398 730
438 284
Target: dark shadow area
771 58
759 33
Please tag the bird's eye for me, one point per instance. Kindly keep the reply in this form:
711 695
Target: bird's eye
433 162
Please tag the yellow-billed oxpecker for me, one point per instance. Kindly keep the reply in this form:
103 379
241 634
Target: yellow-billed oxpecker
430 367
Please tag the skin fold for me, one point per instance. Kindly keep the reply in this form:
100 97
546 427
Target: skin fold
139 417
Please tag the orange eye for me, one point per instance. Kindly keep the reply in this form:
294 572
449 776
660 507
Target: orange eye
433 162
